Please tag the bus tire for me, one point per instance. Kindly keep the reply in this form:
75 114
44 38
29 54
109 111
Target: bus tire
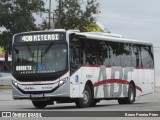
86 100
93 103
39 104
131 96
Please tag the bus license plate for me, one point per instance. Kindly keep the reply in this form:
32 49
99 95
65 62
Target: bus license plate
36 95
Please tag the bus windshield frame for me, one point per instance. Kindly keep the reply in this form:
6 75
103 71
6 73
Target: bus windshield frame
39 58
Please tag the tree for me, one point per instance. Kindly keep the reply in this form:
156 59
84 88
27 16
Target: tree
18 17
77 14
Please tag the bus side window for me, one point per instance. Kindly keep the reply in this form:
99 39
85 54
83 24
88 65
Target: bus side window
115 54
146 57
90 52
74 52
75 62
126 60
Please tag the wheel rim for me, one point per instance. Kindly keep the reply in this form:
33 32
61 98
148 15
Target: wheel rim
85 97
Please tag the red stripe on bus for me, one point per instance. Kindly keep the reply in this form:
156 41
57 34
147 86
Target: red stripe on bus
138 88
89 65
94 65
144 68
119 81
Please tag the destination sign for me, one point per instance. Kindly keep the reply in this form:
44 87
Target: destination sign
40 37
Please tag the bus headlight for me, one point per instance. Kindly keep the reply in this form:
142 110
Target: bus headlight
61 82
15 83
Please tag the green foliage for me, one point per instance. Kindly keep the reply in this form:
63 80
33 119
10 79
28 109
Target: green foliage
18 17
93 27
1 50
77 14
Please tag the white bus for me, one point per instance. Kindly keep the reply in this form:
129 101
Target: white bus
82 67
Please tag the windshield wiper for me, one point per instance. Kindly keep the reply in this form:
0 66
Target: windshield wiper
47 49
30 51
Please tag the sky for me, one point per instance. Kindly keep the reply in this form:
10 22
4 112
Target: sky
136 19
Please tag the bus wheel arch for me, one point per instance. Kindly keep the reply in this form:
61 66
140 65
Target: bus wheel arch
131 93
133 84
88 95
93 100
89 83
130 99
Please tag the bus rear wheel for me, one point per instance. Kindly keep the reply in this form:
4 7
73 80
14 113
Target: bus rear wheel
131 96
94 102
86 100
39 104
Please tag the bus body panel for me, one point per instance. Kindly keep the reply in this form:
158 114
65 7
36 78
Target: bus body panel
108 83
77 84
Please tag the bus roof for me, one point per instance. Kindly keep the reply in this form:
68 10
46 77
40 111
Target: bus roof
110 37
94 35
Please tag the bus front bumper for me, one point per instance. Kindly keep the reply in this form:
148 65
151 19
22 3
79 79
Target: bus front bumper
40 91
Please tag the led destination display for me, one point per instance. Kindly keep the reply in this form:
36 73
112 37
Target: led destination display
40 37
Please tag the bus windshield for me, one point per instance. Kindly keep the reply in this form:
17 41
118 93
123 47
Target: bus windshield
48 58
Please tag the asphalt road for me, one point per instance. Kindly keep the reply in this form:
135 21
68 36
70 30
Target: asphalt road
150 102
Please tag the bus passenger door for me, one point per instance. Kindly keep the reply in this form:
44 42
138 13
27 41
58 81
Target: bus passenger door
75 65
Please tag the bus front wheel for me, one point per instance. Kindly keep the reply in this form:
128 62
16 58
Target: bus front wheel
39 104
86 100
